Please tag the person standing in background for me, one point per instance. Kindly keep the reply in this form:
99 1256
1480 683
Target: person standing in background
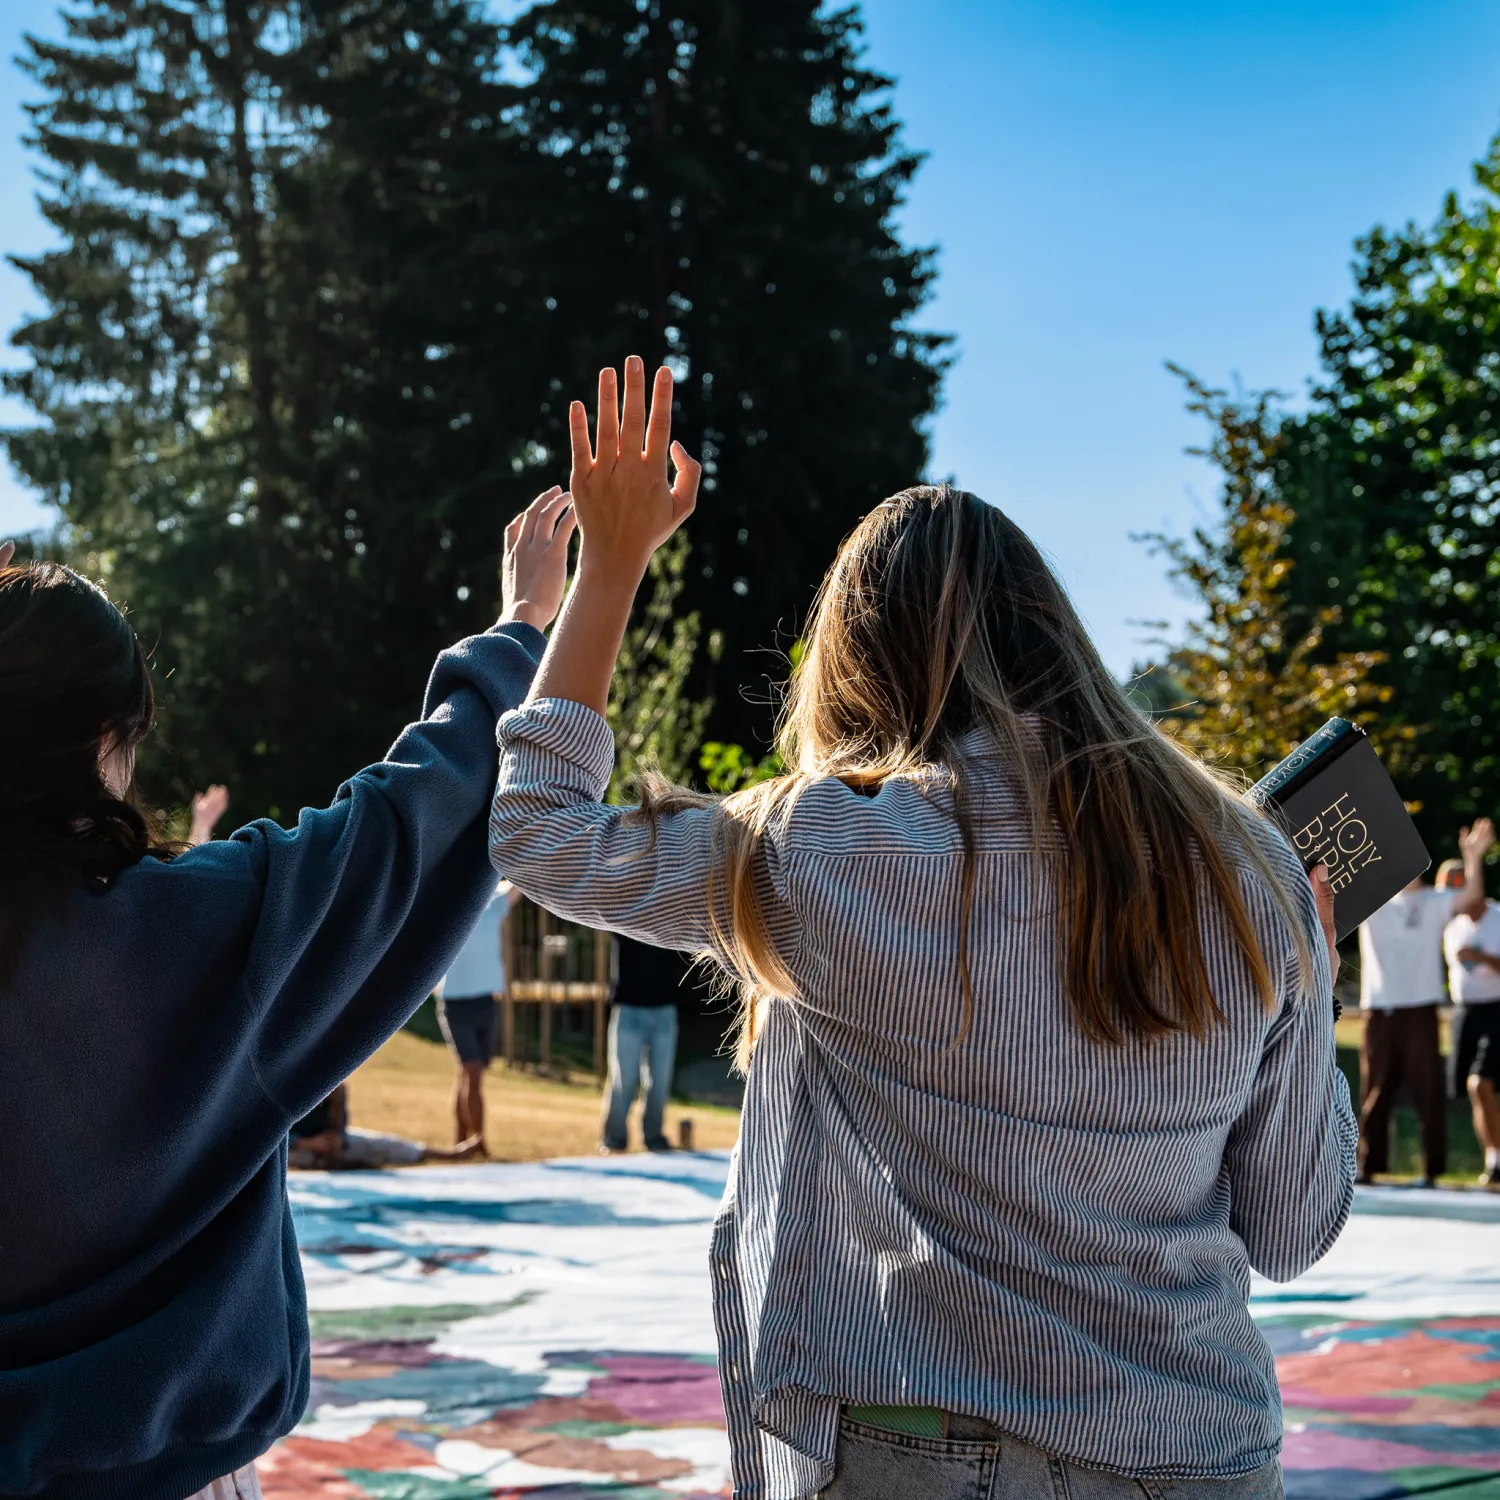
1400 990
642 1041
469 1014
1472 947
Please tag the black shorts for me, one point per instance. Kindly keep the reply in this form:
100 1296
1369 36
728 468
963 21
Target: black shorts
470 1026
1476 1045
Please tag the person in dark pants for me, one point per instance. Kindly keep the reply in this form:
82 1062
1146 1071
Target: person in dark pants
1401 988
642 1040
468 1013
1473 952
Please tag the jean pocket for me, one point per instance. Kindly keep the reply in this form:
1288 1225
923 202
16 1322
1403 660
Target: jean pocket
1263 1484
873 1464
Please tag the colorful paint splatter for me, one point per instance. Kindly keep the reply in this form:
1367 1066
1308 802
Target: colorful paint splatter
1389 1409
512 1331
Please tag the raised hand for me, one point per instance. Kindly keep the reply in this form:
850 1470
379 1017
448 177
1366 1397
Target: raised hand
208 808
1474 843
534 572
626 508
7 551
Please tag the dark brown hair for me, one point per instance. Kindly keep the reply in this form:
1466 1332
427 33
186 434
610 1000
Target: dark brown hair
938 617
74 683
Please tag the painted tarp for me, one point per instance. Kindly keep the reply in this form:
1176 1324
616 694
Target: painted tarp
507 1331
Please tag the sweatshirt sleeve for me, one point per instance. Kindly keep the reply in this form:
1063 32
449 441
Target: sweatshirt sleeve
609 867
365 902
1290 1157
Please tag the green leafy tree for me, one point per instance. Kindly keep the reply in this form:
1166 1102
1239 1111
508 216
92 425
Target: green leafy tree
1247 684
1394 475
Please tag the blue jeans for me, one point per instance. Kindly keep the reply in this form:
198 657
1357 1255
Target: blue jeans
640 1036
979 1462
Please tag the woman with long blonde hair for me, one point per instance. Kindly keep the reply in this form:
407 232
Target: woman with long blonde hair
1037 1018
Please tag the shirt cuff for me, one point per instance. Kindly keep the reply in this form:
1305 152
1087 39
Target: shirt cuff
528 637
558 727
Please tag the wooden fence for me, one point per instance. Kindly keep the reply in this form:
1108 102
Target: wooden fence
566 971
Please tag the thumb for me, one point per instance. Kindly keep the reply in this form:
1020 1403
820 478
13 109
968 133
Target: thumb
685 489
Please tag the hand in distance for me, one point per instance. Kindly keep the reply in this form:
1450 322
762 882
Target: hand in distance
208 807
7 551
534 572
1474 842
626 508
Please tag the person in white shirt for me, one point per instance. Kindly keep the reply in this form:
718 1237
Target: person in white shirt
1400 990
1472 947
469 1015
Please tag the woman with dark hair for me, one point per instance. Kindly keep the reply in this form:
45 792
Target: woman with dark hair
166 1016
1038 1020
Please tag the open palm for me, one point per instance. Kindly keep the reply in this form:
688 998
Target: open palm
625 505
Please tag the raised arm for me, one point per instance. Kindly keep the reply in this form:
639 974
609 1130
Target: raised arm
207 808
363 905
608 867
1473 843
549 832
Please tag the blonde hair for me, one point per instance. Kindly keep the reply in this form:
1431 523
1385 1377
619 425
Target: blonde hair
939 617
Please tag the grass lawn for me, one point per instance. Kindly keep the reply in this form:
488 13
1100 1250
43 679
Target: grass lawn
407 1089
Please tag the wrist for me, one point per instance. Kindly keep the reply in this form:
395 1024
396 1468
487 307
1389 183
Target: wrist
524 612
611 574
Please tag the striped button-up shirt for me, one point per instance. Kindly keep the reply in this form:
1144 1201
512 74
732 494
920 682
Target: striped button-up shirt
1028 1226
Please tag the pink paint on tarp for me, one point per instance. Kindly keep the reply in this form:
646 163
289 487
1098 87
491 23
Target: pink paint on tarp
1312 1449
1410 1361
653 1388
1298 1395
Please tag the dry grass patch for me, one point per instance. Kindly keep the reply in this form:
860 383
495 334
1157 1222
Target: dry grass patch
407 1089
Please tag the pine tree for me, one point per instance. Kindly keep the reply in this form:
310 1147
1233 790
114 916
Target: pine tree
329 279
159 130
273 418
720 184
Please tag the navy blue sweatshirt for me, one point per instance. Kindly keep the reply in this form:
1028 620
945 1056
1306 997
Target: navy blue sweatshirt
156 1042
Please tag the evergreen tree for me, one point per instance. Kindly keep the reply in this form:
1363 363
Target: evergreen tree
273 416
720 184
159 131
328 281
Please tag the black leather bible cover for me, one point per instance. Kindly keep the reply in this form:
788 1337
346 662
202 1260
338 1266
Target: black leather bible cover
1338 806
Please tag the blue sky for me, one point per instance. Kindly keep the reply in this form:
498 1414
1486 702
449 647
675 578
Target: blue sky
1112 183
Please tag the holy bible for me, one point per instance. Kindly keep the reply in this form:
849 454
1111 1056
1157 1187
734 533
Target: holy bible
1339 807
